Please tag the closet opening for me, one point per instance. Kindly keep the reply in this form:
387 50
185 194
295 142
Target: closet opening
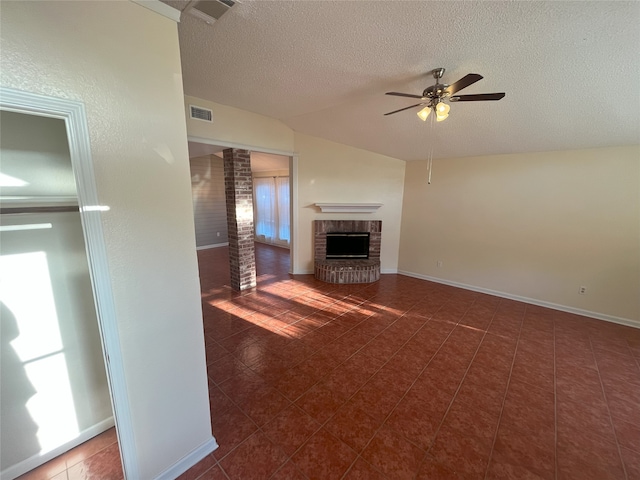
57 389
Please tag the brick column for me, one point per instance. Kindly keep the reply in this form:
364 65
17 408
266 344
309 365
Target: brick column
238 187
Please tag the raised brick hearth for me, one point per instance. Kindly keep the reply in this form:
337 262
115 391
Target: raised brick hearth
347 270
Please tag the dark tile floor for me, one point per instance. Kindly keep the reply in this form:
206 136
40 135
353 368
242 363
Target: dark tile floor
408 379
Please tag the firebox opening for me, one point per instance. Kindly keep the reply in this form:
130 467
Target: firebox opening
348 245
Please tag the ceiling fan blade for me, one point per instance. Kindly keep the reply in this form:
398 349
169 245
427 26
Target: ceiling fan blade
477 98
464 82
398 94
405 108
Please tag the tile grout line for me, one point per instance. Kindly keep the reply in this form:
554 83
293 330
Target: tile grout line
615 433
486 332
429 319
460 384
358 454
418 375
506 391
292 403
322 425
259 428
319 380
555 331
555 405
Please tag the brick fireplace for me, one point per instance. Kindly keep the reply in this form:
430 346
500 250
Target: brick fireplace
347 270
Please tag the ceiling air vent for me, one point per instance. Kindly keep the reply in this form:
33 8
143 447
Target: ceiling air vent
209 10
200 113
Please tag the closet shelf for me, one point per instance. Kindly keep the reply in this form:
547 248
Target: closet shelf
37 204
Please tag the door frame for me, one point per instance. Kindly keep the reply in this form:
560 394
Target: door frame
75 118
293 186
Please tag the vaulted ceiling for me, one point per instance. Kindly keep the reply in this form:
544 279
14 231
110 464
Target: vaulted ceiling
570 70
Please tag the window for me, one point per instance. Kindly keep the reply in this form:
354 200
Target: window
271 209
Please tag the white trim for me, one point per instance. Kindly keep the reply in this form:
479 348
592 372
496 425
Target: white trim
213 245
388 271
73 113
36 460
293 201
189 460
541 303
242 146
348 207
161 8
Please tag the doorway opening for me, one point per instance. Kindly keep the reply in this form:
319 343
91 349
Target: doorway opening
273 180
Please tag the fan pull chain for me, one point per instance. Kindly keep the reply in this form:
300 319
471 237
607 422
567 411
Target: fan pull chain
430 158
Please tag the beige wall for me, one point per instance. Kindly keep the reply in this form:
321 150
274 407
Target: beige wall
234 126
331 172
123 62
536 225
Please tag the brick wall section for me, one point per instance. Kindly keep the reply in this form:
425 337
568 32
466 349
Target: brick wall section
321 227
347 271
238 186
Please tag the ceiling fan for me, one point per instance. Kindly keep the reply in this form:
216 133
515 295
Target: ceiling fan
434 96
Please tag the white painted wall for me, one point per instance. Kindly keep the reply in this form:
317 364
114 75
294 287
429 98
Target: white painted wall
123 62
533 225
331 172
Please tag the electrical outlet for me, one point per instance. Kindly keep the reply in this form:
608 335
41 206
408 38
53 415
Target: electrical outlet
582 291
217 234
439 263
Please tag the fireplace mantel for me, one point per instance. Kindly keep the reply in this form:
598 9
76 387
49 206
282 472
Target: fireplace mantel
348 207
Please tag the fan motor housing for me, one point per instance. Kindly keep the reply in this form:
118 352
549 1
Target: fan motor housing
437 90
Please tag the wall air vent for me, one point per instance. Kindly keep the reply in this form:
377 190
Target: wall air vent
200 113
209 10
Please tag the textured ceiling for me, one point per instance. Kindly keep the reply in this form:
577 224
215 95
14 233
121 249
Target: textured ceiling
570 70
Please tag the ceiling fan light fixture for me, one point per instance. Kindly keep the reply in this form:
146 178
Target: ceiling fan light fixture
442 109
424 113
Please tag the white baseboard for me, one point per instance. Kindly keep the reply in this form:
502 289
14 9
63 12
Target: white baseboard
215 245
189 460
286 246
35 461
541 303
385 271
303 272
